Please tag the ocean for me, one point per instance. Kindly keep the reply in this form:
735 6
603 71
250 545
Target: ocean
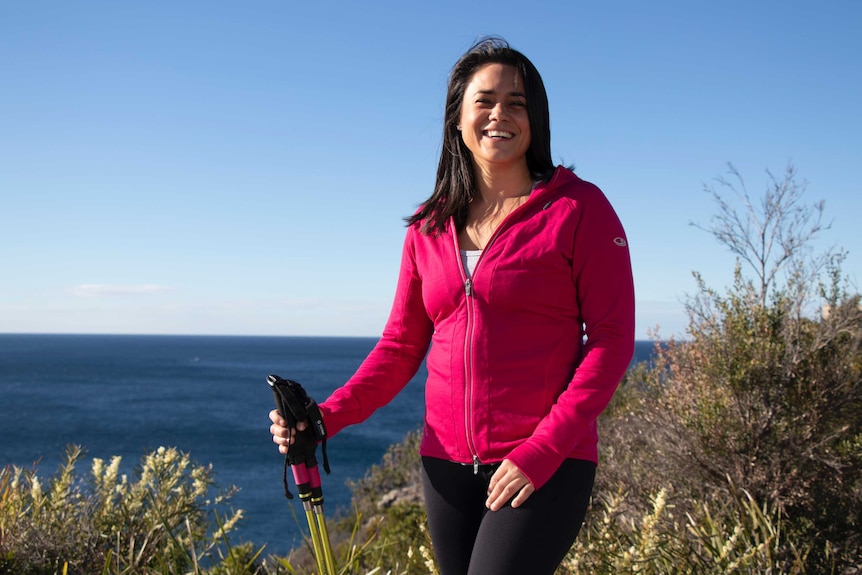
206 395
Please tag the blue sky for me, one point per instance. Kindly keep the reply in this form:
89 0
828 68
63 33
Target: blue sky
244 167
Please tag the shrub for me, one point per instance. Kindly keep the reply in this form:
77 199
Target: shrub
161 522
718 536
766 389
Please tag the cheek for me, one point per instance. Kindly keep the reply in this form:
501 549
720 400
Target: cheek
463 125
466 121
525 129
467 133
463 116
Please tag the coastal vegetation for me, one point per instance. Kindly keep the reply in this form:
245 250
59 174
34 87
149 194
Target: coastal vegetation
736 449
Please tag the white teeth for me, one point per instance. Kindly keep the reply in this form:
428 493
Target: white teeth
499 134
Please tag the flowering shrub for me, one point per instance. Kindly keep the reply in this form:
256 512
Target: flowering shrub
160 522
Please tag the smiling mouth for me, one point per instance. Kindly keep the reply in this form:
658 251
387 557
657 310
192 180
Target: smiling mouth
499 134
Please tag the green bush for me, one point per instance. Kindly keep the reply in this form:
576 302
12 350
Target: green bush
731 534
764 392
389 509
159 522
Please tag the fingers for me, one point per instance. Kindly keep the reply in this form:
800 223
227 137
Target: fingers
282 435
508 483
275 417
523 494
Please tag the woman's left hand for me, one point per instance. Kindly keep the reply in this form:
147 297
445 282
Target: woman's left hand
508 482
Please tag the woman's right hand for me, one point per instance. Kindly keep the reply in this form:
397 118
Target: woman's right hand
282 435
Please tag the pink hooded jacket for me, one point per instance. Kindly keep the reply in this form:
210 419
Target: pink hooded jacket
526 354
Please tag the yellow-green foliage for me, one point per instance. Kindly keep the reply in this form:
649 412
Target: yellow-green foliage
163 523
726 535
159 522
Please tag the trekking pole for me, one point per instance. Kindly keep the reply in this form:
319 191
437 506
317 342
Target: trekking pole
294 405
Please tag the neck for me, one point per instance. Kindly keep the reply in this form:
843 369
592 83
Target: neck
500 184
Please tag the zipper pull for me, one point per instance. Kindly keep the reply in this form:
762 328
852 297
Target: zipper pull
468 287
475 465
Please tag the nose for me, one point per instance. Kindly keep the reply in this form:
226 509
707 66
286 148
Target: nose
498 112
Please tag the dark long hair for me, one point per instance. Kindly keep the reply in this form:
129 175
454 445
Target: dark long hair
456 184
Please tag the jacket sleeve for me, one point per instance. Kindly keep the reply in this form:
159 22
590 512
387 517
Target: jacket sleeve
601 270
395 358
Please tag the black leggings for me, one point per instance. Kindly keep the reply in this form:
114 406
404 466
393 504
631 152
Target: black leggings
534 538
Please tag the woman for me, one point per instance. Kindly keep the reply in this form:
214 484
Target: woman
517 275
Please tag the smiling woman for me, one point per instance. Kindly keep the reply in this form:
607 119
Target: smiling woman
495 127
516 282
494 123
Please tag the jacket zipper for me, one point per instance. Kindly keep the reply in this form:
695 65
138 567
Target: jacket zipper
468 343
468 363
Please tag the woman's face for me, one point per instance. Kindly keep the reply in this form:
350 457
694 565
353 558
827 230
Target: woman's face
494 123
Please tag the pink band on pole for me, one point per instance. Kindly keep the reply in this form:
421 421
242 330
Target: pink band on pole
314 477
300 474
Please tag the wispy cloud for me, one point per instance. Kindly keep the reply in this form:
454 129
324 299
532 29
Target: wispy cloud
107 290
